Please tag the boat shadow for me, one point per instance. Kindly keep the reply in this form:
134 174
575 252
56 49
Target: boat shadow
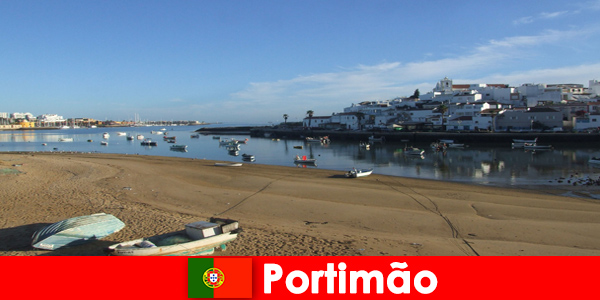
338 176
18 239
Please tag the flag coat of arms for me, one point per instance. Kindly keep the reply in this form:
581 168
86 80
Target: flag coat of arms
219 277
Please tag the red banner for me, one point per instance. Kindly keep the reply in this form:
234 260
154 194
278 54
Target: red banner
303 277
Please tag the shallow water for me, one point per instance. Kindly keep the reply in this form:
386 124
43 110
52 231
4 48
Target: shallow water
499 166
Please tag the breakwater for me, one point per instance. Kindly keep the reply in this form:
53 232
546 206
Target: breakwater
472 138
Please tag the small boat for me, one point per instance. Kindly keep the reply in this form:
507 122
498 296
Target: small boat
525 141
534 146
149 142
76 231
104 143
248 157
140 137
121 133
235 147
90 141
130 137
65 139
169 138
413 151
355 173
105 135
44 144
182 148
304 160
215 137
195 136
199 238
320 140
299 147
594 160
375 139
228 164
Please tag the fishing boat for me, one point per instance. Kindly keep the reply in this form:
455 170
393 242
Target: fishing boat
199 238
355 173
182 148
149 142
76 231
304 160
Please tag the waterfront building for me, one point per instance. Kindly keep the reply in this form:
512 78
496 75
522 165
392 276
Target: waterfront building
528 119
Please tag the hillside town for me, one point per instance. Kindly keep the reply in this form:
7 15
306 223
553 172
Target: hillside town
475 108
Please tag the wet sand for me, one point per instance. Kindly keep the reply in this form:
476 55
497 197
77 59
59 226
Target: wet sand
289 210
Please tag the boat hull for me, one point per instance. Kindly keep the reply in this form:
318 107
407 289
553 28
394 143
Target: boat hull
76 231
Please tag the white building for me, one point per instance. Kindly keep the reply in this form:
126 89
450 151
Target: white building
51 118
26 116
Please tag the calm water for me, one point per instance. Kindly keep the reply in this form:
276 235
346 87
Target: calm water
479 165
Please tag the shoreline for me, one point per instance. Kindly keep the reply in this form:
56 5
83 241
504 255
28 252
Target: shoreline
287 210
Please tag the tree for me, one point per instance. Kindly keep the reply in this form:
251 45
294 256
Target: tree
285 117
442 109
360 116
416 94
310 115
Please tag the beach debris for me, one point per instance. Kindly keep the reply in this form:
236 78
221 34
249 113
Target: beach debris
127 188
310 223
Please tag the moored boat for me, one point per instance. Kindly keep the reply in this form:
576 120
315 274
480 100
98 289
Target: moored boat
149 142
182 148
199 238
304 160
413 151
104 143
69 139
76 231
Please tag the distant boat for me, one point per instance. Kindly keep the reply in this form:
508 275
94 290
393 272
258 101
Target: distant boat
534 146
355 173
228 164
140 137
195 136
89 141
248 157
199 238
105 135
413 151
76 231
304 160
104 143
149 142
130 137
374 139
121 133
182 148
65 139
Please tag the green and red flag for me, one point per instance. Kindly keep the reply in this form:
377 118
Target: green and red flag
219 277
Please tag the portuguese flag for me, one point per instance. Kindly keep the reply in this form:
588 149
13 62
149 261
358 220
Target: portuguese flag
220 277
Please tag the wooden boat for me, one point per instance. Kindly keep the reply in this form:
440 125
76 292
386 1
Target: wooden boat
228 164
149 142
182 148
199 238
76 231
304 160
355 173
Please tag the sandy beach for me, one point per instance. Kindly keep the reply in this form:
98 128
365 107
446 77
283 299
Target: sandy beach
289 210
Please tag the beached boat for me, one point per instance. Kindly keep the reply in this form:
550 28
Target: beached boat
149 142
355 173
182 148
65 139
228 164
199 238
76 231
304 160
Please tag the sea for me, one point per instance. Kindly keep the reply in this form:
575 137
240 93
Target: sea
474 164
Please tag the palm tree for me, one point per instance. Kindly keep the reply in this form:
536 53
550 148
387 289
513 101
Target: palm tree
285 117
442 109
310 115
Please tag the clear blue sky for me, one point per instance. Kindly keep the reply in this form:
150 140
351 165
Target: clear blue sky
253 61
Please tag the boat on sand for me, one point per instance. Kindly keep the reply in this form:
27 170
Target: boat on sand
355 173
199 238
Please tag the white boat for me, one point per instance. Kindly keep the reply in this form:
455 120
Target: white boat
199 238
413 151
228 164
534 146
105 135
304 160
65 139
140 137
182 148
121 133
355 173
104 143
76 231
248 157
594 160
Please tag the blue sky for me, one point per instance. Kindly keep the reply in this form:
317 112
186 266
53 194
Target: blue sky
253 61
